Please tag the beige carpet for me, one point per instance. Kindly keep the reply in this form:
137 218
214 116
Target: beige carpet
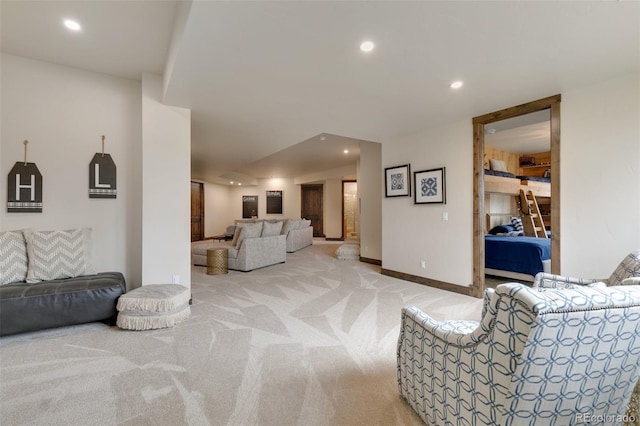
308 342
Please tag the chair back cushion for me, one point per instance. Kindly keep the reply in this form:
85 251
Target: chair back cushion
628 268
582 355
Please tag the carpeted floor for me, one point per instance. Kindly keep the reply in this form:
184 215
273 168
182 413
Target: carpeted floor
308 342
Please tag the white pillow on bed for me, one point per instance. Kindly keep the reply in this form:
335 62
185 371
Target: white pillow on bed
497 165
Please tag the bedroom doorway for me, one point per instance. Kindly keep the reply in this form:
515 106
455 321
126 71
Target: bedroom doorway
349 210
480 125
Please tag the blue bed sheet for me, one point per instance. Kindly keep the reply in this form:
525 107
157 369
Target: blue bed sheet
516 254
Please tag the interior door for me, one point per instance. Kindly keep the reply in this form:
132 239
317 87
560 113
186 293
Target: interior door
312 207
197 211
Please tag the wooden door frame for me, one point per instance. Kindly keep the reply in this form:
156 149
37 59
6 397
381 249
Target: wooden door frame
201 207
343 182
553 104
313 185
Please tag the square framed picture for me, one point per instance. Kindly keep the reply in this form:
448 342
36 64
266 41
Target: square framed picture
430 186
397 181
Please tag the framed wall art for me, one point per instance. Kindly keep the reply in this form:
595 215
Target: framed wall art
274 202
430 186
397 181
249 206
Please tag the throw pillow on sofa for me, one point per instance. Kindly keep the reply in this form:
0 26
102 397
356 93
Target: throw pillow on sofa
240 226
13 257
271 229
249 230
58 254
304 223
289 225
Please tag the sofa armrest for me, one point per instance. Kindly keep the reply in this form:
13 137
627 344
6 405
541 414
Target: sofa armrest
299 238
258 252
544 280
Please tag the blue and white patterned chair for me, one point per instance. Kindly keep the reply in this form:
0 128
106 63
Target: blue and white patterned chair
538 356
627 272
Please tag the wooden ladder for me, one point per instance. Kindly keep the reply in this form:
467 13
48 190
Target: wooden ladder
532 223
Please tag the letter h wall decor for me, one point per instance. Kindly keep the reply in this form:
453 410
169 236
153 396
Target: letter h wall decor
24 187
24 184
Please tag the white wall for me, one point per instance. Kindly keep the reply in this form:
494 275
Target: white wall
414 232
223 208
600 189
600 186
166 168
217 215
290 195
370 190
332 199
63 112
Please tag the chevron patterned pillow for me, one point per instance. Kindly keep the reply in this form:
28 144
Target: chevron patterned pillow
13 257
58 254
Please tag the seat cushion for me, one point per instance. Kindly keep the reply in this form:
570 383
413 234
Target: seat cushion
141 320
348 251
56 303
153 306
200 248
154 298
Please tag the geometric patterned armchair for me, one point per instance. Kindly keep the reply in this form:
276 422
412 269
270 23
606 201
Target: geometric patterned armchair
624 274
627 273
538 356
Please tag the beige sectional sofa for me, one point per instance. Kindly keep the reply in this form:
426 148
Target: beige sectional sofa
258 243
299 234
254 245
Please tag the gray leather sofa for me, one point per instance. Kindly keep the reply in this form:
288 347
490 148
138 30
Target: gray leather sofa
47 304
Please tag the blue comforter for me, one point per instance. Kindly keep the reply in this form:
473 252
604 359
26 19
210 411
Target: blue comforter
516 254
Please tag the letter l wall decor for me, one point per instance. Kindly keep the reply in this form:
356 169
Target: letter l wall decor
102 175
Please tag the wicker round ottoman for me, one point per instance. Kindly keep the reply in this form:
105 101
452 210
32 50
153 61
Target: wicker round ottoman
217 261
153 306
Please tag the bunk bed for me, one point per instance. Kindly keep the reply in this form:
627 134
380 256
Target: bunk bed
516 257
507 254
508 183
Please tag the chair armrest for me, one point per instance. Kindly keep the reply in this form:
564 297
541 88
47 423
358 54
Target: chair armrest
631 281
454 332
544 280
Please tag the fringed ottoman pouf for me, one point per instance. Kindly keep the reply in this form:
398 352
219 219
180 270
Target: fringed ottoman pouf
348 251
153 306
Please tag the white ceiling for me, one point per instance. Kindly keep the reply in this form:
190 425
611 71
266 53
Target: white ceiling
526 134
261 77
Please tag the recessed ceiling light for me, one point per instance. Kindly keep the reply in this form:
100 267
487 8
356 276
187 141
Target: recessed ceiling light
456 85
72 25
346 151
231 183
239 184
367 46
